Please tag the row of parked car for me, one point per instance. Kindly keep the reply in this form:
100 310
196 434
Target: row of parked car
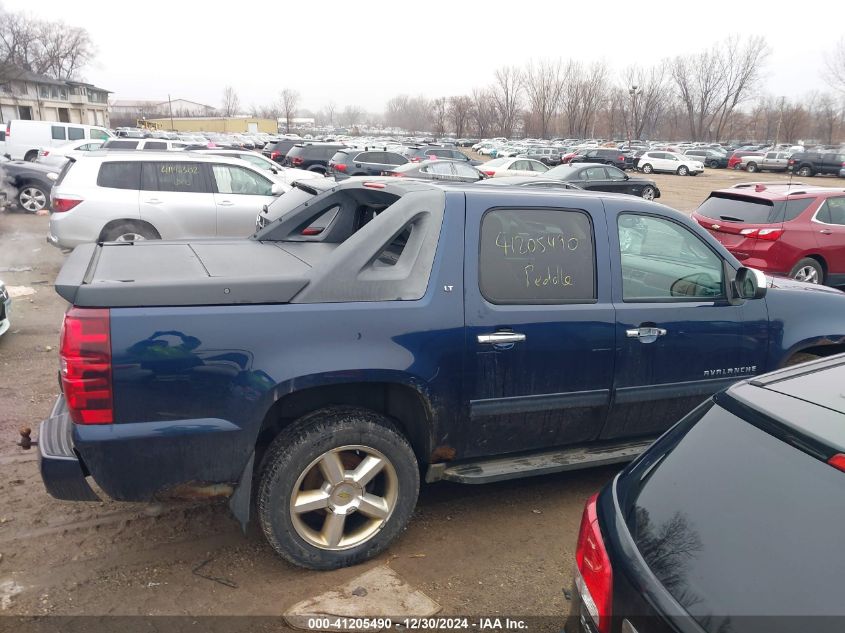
788 229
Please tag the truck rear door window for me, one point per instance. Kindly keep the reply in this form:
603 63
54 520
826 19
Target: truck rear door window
117 175
537 256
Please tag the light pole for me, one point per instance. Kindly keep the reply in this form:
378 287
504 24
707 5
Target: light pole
633 91
780 120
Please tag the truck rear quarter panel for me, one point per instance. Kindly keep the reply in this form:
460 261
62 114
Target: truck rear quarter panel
192 385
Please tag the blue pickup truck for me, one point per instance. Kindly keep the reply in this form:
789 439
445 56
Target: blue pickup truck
441 332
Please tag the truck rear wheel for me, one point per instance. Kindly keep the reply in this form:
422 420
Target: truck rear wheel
336 488
129 232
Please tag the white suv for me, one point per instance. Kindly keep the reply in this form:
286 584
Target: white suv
128 196
670 162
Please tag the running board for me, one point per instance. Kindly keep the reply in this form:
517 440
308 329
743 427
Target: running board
513 467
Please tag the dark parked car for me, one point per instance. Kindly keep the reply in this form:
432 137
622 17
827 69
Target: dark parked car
732 521
311 157
603 156
451 170
712 158
356 162
594 177
278 150
427 152
30 184
811 163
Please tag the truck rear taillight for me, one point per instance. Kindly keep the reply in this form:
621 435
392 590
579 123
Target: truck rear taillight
837 461
85 356
339 166
594 576
60 205
8 129
275 154
296 160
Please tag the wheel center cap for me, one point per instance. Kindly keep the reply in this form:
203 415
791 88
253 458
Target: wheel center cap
344 496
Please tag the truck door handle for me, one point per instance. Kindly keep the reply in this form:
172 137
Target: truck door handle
825 231
497 338
153 201
226 203
645 334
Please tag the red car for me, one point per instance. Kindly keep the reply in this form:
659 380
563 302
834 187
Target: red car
790 230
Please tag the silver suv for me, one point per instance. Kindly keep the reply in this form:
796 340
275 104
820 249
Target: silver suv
128 196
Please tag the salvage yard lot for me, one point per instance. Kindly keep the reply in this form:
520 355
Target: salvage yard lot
500 549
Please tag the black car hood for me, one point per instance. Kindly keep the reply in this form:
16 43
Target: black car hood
16 167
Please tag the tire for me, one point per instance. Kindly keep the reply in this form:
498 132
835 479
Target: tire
647 168
31 155
129 232
32 198
713 164
298 460
648 192
683 170
809 270
806 171
751 168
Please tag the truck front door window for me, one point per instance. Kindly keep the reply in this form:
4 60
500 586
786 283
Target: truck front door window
662 260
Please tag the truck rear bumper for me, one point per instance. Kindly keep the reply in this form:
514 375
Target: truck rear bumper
62 472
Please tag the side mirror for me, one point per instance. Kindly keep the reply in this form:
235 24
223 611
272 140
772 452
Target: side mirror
277 189
627 177
750 283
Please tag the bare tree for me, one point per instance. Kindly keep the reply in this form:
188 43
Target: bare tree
482 111
544 84
49 48
591 87
330 110
408 113
827 117
571 97
507 98
439 115
290 102
352 115
459 112
835 66
646 89
714 83
231 103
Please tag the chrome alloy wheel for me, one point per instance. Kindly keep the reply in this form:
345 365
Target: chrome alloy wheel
129 237
808 274
344 497
32 199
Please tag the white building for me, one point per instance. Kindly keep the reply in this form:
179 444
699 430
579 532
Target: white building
30 96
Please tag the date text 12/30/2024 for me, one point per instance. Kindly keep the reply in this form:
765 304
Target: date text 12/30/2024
415 624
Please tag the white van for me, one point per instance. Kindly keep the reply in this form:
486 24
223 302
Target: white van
25 138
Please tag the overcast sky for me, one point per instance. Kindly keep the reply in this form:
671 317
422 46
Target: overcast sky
365 52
